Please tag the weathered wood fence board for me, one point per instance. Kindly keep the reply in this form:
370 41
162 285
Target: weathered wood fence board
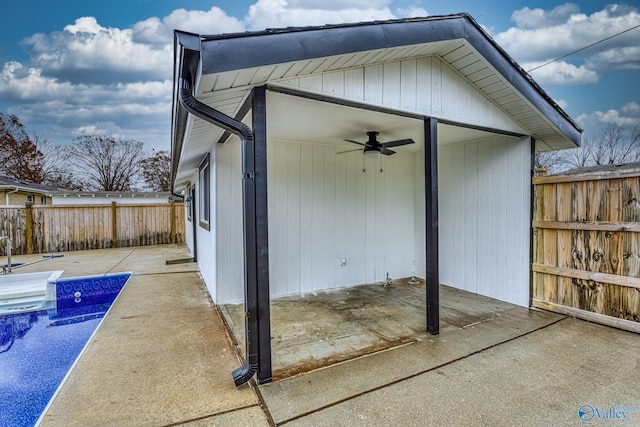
50 228
12 224
587 247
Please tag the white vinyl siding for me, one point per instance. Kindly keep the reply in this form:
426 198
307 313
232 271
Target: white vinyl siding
424 86
206 237
323 207
484 213
229 277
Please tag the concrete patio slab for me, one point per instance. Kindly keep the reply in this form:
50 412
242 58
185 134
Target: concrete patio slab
315 330
558 375
162 357
294 397
248 417
141 260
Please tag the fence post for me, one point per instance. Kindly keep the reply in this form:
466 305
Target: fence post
114 225
173 222
29 227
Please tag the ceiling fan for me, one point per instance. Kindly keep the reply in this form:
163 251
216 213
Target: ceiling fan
373 146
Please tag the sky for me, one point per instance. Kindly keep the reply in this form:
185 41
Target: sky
75 67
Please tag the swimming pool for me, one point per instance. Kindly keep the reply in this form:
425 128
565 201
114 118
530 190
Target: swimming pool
38 348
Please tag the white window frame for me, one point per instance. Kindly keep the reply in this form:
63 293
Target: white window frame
204 194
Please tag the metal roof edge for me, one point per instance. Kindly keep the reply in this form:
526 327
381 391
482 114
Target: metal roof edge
270 31
573 132
252 49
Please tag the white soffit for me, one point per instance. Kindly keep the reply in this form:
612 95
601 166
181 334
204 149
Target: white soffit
226 91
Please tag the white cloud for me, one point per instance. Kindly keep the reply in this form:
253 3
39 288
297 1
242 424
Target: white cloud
67 110
278 13
561 73
160 31
628 115
338 4
539 18
632 109
91 78
622 58
94 79
19 83
86 51
543 35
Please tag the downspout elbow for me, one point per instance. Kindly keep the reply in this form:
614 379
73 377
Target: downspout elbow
245 372
199 109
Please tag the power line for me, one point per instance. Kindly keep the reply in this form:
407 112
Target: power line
583 48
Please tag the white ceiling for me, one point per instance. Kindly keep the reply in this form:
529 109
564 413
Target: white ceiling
297 119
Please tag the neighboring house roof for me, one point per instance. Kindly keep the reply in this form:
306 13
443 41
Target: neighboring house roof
226 67
12 184
116 194
7 183
112 193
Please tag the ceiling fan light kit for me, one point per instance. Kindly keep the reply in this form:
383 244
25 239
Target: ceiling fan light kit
373 147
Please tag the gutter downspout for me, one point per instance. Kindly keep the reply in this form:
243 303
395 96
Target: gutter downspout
244 373
6 195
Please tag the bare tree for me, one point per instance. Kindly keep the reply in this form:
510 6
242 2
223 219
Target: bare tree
581 156
552 161
55 170
615 144
66 180
619 144
106 163
20 158
156 171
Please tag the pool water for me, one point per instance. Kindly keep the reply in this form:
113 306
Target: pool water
37 349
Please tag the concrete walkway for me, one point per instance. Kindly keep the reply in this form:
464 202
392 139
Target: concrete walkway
163 358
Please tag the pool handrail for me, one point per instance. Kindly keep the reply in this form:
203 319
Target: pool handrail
7 269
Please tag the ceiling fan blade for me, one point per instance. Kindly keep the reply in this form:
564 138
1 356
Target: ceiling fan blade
386 151
397 143
349 151
356 142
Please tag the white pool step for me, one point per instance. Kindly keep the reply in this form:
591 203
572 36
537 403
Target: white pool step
26 292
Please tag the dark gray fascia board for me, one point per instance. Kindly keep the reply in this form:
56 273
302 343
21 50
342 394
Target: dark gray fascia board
254 49
521 80
230 52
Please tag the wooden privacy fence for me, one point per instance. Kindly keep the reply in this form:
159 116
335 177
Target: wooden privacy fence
51 228
586 253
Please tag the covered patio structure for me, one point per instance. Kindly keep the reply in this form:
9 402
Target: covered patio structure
287 196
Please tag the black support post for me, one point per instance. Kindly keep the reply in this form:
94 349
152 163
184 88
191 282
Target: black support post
259 115
431 224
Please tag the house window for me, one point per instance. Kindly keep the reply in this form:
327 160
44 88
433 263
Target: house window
29 198
43 200
188 201
205 195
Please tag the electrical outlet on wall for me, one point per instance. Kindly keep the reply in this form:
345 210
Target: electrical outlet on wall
343 262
